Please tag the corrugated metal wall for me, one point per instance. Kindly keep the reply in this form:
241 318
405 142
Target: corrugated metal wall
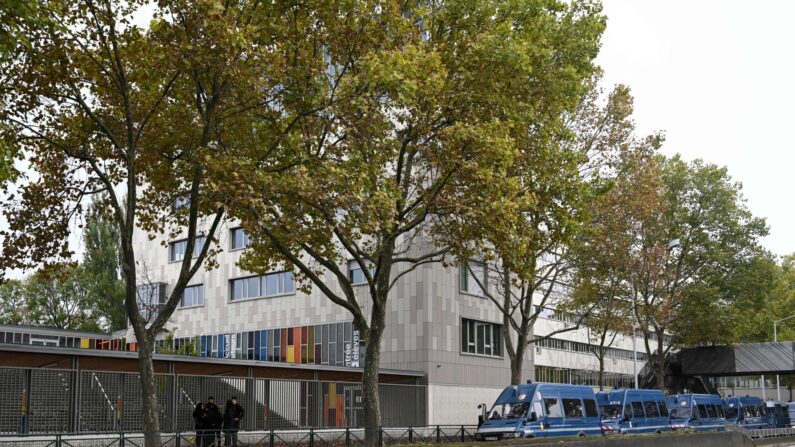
67 401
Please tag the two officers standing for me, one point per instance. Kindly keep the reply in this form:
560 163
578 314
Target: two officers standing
210 421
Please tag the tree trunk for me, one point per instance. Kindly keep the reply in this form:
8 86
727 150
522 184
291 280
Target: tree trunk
659 370
148 391
601 376
516 367
370 402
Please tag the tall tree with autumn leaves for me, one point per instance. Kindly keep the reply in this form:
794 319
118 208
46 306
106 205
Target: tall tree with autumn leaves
674 233
600 285
424 123
563 168
98 106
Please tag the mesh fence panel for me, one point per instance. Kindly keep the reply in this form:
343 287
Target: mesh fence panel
284 409
12 382
49 400
190 391
111 402
402 405
100 393
133 402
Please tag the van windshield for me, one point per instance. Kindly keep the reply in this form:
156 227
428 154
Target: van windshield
681 413
731 412
509 411
610 411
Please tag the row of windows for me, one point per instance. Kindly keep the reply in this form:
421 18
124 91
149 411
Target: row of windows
570 408
478 337
574 346
646 409
177 249
61 341
152 296
739 382
238 239
551 314
653 337
749 411
581 377
564 317
272 284
336 344
709 411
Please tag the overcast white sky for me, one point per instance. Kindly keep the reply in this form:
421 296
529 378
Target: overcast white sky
717 77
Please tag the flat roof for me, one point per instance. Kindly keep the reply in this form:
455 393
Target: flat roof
46 330
8 347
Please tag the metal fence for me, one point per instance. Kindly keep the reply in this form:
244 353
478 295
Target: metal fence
348 437
40 401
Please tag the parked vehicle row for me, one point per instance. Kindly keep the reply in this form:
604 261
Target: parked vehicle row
536 410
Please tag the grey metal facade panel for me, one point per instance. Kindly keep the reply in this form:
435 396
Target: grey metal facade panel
423 317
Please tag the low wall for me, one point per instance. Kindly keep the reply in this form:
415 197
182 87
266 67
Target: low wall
720 439
457 404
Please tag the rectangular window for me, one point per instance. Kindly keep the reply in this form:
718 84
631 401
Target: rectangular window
552 407
193 296
214 349
471 270
651 409
712 411
272 284
637 410
355 273
573 408
239 239
478 337
590 408
340 344
663 409
238 352
702 411
177 249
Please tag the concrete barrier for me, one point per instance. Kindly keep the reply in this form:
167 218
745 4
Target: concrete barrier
719 439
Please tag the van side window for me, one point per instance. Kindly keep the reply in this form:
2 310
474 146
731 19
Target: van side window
702 411
573 408
720 412
637 409
553 409
712 411
663 409
651 409
628 410
590 408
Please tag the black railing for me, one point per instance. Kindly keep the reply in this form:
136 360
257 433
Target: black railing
348 437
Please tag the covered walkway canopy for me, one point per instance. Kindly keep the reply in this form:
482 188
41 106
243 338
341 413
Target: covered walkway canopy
740 360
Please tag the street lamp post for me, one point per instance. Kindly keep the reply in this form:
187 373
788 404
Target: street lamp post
775 340
634 356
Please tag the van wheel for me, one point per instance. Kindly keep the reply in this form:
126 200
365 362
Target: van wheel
581 434
658 432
